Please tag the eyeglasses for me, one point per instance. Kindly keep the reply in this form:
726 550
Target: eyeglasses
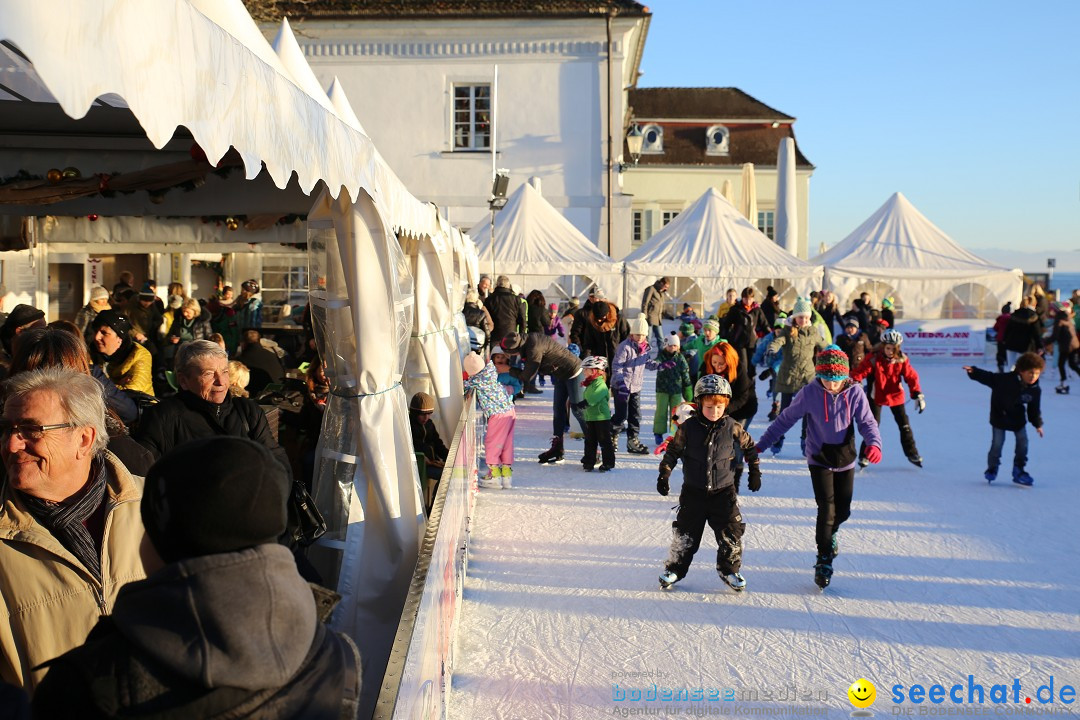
27 431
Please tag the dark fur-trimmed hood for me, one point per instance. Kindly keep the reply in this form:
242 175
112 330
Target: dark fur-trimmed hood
607 322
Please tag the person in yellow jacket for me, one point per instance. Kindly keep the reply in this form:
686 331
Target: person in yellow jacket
70 529
127 363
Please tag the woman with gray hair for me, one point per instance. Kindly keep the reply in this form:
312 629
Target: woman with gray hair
203 407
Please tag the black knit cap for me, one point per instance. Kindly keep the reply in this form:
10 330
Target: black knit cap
20 315
214 495
117 321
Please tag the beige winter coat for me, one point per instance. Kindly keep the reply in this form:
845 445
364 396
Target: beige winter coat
50 600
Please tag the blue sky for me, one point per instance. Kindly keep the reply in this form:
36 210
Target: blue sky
971 109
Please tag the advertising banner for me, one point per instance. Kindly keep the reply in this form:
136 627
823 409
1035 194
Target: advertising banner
961 339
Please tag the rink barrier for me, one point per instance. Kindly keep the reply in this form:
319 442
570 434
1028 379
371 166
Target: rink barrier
417 679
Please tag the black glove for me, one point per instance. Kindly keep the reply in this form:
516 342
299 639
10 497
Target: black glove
765 374
581 405
662 486
753 481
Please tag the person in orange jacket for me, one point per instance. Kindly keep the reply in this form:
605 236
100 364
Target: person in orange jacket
888 365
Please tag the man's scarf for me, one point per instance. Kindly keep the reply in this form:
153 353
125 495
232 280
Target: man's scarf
66 520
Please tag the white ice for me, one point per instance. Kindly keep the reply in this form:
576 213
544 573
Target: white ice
940 576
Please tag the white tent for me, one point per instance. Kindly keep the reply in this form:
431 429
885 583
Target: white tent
536 247
712 244
898 252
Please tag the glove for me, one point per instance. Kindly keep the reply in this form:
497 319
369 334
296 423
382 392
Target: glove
754 479
873 454
765 374
622 393
581 405
920 400
662 485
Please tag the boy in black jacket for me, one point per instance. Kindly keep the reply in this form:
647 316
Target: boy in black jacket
1010 392
706 443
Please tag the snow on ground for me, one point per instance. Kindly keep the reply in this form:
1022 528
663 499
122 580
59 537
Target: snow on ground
939 576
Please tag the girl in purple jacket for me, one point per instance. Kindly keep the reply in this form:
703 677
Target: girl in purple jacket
832 405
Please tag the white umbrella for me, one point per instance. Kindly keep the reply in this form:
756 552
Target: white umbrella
728 191
787 220
749 193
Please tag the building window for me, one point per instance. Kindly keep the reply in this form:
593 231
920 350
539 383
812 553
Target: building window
716 140
472 117
642 228
652 142
284 287
766 223
669 215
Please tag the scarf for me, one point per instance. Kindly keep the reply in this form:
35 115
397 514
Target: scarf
65 520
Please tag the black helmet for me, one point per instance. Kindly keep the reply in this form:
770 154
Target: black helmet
252 286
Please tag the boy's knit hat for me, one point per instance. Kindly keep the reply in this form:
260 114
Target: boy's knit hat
673 341
686 329
887 303
573 349
712 324
802 307
780 320
832 364
852 322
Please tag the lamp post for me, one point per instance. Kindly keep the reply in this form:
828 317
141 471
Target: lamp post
634 140
497 202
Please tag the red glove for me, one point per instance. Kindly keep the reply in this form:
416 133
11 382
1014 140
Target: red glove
873 454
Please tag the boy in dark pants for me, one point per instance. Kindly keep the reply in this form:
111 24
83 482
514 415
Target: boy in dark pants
1010 391
706 443
597 414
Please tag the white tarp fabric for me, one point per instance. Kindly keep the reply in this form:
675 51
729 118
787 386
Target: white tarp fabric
536 246
900 248
433 364
365 472
155 58
712 243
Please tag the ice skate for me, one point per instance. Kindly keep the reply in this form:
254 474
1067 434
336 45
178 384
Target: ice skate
1062 389
667 579
990 475
636 447
507 477
491 481
735 581
1020 477
554 454
605 468
863 462
915 460
823 571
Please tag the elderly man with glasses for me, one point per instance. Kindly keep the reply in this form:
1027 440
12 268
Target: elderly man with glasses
70 530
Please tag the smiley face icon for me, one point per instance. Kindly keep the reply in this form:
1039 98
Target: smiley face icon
862 693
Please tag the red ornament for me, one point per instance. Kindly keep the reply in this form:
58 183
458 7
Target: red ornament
92 217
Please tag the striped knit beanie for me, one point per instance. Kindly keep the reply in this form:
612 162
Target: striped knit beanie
712 324
832 364
802 307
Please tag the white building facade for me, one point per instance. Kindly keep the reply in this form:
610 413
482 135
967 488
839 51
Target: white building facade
545 83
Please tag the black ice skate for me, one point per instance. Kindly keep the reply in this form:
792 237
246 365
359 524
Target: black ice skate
554 454
915 460
636 447
1062 389
667 579
823 571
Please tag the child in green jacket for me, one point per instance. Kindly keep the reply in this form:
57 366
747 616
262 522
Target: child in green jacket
672 384
597 414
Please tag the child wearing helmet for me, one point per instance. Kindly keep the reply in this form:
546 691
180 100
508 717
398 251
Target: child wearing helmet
706 444
597 414
832 406
495 403
887 365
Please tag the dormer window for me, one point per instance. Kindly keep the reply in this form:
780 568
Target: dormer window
716 140
653 142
